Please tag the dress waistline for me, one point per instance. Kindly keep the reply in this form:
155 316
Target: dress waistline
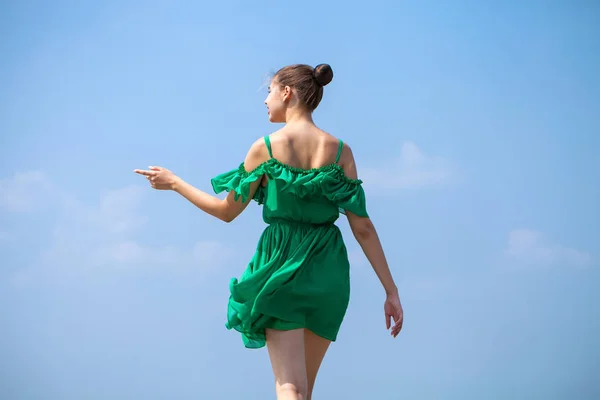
290 222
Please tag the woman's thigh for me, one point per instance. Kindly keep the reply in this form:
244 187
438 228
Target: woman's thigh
286 351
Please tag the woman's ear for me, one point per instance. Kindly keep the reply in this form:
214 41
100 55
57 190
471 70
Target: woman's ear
287 93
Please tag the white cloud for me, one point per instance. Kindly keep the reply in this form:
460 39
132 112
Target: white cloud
116 212
131 254
100 237
412 169
24 192
210 253
528 246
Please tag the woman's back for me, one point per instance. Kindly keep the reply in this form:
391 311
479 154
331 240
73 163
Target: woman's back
304 146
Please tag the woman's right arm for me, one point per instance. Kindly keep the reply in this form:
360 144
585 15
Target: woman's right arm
366 235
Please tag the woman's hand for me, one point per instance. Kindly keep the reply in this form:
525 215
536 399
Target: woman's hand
393 309
159 178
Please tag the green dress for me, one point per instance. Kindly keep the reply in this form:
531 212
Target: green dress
299 276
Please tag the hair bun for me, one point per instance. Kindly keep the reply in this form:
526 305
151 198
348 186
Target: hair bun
323 74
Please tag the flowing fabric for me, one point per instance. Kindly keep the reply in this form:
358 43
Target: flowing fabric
299 276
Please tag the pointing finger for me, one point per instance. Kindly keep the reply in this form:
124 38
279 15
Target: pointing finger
144 172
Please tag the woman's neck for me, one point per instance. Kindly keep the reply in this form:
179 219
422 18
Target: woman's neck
298 116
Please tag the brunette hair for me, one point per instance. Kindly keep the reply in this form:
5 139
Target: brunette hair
307 81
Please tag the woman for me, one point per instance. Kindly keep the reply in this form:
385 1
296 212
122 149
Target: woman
294 293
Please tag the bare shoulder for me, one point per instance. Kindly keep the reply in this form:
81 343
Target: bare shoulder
346 155
257 154
331 141
257 146
347 162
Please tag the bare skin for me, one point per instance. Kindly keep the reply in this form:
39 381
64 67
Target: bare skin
296 355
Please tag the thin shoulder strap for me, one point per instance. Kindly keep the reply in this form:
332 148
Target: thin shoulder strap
268 143
339 153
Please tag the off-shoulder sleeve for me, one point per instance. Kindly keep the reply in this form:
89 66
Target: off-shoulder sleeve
239 181
347 194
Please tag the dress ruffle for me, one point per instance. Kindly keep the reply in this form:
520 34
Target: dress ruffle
239 181
328 181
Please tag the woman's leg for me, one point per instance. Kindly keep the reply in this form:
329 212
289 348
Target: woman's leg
286 350
315 348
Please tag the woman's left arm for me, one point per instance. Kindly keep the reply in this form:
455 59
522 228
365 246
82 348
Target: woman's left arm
226 210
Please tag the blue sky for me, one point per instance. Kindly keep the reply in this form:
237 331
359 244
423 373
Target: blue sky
475 127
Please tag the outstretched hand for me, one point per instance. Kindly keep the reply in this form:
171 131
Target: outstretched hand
160 178
393 309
